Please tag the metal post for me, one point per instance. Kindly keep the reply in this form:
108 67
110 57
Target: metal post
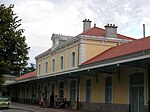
143 30
148 88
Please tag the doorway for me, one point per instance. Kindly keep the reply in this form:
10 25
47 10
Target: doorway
72 92
137 92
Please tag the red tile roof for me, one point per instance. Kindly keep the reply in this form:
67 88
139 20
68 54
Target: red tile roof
96 31
124 49
26 76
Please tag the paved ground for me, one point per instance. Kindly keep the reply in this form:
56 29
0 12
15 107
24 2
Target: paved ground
17 107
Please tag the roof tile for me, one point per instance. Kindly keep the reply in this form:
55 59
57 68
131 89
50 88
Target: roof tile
96 31
26 76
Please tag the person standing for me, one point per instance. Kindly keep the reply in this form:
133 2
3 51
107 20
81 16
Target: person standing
52 98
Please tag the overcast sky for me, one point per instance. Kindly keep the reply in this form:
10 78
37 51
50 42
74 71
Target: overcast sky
42 18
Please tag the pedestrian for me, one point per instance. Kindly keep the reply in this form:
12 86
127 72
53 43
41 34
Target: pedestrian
42 103
52 98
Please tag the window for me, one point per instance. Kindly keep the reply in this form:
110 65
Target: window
88 90
53 65
46 67
108 89
61 89
61 62
73 59
39 69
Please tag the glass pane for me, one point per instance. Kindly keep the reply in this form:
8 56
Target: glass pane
141 99
108 89
88 90
72 92
134 99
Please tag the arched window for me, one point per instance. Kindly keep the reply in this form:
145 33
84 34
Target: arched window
53 65
46 67
61 62
73 58
39 69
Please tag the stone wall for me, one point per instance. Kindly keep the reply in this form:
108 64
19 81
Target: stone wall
100 107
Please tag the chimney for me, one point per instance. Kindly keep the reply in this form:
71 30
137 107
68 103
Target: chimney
86 24
111 30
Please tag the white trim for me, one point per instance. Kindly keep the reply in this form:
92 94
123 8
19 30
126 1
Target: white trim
53 66
102 43
82 53
46 71
71 64
66 59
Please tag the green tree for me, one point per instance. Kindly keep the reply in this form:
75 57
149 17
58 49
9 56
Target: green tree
28 69
13 48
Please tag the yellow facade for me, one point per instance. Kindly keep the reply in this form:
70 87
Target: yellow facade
92 48
95 47
67 63
121 88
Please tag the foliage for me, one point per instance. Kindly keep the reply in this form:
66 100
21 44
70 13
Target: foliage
13 48
28 69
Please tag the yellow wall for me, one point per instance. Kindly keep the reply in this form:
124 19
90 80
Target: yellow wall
82 89
66 53
97 88
121 88
95 47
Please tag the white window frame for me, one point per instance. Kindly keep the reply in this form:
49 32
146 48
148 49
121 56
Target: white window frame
46 67
39 69
53 65
61 63
73 62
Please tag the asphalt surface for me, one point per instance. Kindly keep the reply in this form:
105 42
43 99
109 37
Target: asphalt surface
17 107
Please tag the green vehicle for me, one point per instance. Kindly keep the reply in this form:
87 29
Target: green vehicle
5 102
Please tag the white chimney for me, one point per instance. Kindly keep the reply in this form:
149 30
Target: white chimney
111 30
86 24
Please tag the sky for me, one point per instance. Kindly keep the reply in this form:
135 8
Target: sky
42 18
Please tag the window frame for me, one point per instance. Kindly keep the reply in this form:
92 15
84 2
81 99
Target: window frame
73 59
61 89
53 65
61 62
88 90
39 69
108 89
46 67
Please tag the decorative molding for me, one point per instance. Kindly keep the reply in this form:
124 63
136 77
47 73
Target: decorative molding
66 59
82 53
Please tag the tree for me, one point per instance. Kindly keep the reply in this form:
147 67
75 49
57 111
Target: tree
28 69
13 48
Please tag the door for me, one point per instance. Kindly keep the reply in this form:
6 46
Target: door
137 92
72 92
137 98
